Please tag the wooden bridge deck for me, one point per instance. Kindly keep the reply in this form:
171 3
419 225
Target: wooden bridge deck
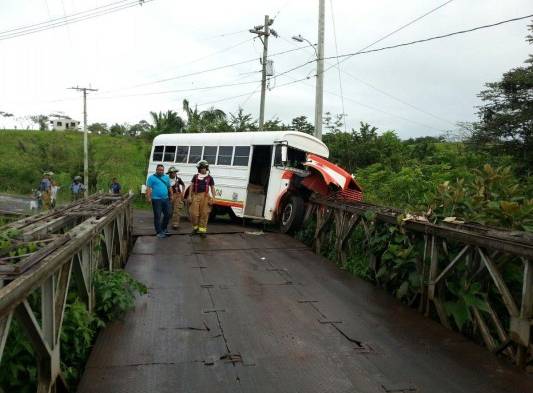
248 312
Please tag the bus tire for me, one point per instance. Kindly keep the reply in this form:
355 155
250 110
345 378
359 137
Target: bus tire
292 214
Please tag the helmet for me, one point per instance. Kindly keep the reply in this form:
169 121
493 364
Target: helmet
202 164
77 177
172 169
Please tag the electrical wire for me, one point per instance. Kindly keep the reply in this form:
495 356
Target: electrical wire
206 70
409 43
338 63
180 90
398 99
63 21
226 99
366 105
401 28
249 97
60 18
223 50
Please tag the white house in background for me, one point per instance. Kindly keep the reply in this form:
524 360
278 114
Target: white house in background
60 122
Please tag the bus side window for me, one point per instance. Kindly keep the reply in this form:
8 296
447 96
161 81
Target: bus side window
182 154
242 154
225 154
158 153
170 153
210 154
195 154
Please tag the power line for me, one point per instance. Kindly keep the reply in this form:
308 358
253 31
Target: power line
206 70
366 105
59 18
398 99
338 63
401 28
432 38
375 42
63 21
223 50
227 98
409 43
180 90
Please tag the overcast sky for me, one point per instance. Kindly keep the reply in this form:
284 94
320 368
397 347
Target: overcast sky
170 38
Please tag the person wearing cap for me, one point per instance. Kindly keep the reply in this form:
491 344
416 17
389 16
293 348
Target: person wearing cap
200 201
45 188
158 192
76 188
177 186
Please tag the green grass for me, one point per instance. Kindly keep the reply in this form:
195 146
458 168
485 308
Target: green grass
25 155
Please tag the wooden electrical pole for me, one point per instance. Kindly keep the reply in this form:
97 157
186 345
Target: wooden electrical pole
85 138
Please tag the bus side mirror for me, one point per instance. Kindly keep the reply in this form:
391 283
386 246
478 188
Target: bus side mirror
284 153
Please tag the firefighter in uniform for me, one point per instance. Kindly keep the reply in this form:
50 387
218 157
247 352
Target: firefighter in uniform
200 201
177 186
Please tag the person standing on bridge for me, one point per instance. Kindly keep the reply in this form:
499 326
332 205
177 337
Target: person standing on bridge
177 185
54 189
158 192
200 201
115 187
45 188
76 188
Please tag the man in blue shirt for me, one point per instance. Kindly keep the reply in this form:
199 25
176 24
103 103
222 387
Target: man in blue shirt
115 186
158 193
77 188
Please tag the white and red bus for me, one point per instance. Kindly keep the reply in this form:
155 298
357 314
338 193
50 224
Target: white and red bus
266 175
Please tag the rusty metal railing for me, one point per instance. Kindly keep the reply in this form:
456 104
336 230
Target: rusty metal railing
68 243
505 325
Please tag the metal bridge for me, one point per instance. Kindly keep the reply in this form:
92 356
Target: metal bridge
252 311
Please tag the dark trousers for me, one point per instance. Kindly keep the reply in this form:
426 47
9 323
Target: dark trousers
161 206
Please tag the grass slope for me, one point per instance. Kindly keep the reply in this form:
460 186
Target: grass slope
25 155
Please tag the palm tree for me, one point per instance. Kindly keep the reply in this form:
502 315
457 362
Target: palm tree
167 123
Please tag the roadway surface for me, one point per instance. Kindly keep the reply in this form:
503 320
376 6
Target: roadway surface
259 312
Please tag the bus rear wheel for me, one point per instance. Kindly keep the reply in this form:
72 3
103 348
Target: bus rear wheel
292 214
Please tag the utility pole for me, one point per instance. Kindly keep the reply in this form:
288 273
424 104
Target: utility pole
319 94
264 33
85 138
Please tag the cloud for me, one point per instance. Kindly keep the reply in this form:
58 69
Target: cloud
160 39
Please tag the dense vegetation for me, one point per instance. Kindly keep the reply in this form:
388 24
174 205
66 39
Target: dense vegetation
115 292
486 177
27 154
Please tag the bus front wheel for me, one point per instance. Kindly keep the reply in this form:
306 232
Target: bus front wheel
292 214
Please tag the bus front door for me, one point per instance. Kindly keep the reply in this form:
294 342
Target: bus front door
258 181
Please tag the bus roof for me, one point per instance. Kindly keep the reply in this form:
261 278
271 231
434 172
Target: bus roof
296 139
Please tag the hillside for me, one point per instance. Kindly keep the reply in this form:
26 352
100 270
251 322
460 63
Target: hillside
25 155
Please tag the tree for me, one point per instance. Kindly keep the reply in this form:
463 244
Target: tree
242 122
98 128
139 129
333 123
118 129
301 124
274 125
41 121
506 117
166 123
